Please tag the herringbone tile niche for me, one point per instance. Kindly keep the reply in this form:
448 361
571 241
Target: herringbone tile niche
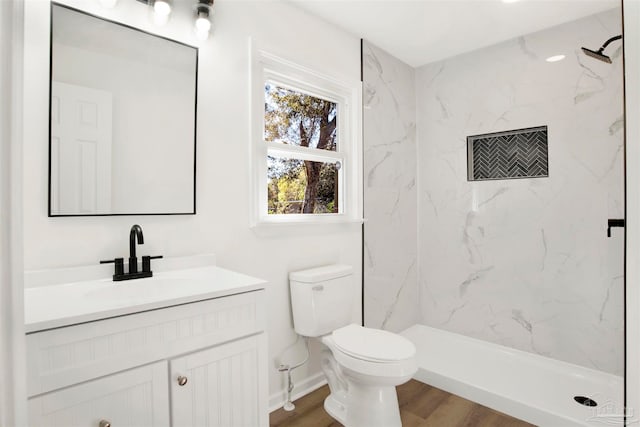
521 153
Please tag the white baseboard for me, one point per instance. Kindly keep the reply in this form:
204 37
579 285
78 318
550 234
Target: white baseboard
305 387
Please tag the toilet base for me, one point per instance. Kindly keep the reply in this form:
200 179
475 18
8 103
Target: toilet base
365 406
337 410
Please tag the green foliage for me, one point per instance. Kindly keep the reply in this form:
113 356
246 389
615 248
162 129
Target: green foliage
327 187
296 118
303 120
286 193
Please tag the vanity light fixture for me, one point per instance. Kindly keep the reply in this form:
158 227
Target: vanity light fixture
203 11
555 58
161 10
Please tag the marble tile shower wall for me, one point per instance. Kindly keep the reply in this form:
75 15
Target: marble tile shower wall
390 200
526 263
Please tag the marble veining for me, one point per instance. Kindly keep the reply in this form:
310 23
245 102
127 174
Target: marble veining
616 126
522 43
473 277
544 249
499 192
390 199
518 317
409 280
524 263
372 171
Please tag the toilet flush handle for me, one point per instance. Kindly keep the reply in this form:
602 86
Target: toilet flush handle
318 288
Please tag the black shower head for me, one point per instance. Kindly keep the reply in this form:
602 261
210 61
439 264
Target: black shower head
599 54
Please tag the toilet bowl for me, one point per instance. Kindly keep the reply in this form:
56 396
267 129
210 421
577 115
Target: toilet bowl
362 365
371 363
373 352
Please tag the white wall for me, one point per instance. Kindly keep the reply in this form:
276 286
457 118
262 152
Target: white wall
526 263
221 225
12 342
390 199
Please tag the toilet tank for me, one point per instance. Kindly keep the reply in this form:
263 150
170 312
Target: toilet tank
322 299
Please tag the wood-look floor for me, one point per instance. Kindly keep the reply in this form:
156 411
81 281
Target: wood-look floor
420 406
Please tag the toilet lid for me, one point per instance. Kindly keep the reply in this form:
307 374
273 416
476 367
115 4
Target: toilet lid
373 344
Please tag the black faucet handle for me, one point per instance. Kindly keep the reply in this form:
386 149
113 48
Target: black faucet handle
146 262
614 222
119 265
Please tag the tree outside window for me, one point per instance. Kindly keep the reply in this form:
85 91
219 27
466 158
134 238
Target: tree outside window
300 183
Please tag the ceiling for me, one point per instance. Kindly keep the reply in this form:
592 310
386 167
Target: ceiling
422 31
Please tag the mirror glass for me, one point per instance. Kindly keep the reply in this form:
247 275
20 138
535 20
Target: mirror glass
122 119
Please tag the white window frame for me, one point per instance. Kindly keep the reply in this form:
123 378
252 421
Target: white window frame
266 67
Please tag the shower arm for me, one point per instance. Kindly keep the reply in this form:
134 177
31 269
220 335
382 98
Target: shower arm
605 44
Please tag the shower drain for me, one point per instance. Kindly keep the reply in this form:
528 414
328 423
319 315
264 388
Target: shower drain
583 400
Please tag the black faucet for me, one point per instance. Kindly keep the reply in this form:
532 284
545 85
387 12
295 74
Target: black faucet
136 230
119 274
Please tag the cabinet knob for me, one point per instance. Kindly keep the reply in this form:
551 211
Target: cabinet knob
104 423
181 381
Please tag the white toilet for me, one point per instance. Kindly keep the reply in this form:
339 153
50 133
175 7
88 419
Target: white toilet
362 365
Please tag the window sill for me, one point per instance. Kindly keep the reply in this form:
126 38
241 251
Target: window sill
306 223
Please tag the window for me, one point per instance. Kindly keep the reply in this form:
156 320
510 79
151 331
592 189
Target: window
305 145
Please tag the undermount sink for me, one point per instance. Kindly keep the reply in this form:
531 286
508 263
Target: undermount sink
143 289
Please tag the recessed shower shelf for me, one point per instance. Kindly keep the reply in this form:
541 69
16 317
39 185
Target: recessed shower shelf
521 153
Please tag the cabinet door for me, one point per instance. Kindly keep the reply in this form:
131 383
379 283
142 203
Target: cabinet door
226 386
132 398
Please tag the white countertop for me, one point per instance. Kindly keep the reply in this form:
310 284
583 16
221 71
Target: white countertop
54 306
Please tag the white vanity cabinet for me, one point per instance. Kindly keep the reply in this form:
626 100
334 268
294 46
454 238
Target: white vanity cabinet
198 364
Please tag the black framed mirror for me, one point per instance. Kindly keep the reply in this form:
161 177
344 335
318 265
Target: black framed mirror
122 122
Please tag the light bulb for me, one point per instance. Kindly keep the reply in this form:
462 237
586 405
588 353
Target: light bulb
162 7
203 20
203 24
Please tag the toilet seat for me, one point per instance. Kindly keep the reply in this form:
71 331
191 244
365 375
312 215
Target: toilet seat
383 361
373 345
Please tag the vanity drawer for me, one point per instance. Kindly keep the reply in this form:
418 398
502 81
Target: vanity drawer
134 398
61 357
